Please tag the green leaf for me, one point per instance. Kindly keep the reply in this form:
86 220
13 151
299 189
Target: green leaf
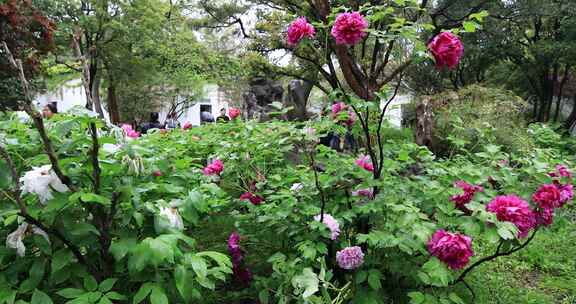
374 278
112 295
264 296
307 281
142 293
198 265
60 259
107 284
120 248
157 296
38 297
70 293
90 283
95 198
455 298
470 26
104 300
438 272
36 274
416 297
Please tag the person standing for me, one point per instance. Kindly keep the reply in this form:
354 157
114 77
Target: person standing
152 124
50 109
222 117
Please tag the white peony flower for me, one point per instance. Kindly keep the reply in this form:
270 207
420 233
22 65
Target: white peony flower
110 148
42 181
297 187
173 217
16 239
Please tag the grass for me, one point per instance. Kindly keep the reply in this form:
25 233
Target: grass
544 272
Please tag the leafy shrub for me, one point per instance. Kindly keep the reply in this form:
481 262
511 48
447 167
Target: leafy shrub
475 116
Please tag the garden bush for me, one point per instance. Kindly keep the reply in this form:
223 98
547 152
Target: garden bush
219 213
475 116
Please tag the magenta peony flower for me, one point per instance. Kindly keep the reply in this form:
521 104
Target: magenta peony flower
566 193
126 127
454 249
462 199
254 199
157 173
368 192
349 28
510 208
132 134
547 197
545 217
299 29
561 171
365 163
214 168
447 50
331 223
241 273
350 257
337 108
233 113
187 126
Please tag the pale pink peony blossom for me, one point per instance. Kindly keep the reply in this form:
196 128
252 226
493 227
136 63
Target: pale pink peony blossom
454 249
298 30
510 208
447 50
349 28
331 223
350 257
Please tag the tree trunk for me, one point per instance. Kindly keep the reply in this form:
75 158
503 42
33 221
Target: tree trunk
113 104
572 117
424 124
95 92
298 94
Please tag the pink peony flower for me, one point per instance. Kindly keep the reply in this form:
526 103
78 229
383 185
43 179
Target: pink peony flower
547 197
562 172
365 163
214 168
462 199
447 50
350 257
132 134
510 208
233 113
368 192
126 127
157 173
187 125
331 223
337 108
566 193
349 28
253 198
545 217
454 249
241 273
299 29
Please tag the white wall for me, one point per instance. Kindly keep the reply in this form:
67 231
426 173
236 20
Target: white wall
394 111
68 95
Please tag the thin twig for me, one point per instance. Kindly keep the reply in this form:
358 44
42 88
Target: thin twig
494 256
317 184
37 118
380 120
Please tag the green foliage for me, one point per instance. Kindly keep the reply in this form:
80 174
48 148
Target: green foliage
469 119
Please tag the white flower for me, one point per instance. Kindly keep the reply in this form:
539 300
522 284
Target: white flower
110 148
15 239
41 181
297 187
173 217
22 116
